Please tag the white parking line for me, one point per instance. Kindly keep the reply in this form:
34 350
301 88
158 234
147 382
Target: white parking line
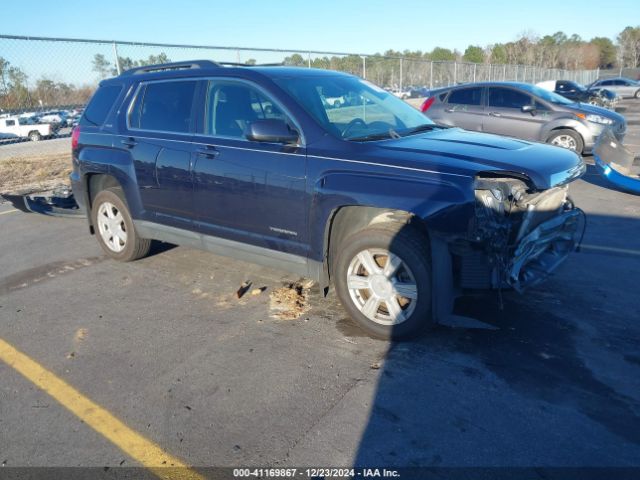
9 211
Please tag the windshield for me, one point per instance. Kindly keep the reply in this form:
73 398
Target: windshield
545 94
354 109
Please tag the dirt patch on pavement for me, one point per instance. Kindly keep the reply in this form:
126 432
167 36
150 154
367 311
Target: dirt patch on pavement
290 301
21 175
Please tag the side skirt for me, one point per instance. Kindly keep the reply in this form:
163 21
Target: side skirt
229 248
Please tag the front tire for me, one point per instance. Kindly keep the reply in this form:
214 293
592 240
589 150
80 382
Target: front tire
35 136
114 227
568 139
382 276
637 95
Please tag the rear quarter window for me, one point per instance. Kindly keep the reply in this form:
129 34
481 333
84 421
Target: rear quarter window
100 105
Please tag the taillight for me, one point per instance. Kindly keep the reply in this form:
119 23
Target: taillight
427 103
75 136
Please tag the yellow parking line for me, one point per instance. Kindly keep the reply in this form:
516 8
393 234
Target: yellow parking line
129 441
627 251
9 211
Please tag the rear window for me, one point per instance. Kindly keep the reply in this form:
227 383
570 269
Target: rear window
100 105
466 96
164 106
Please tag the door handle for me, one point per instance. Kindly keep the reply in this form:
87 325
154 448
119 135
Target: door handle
207 152
129 142
495 114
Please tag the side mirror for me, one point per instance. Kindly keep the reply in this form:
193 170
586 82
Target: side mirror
528 108
271 130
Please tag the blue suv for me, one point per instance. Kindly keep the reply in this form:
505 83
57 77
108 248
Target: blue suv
399 214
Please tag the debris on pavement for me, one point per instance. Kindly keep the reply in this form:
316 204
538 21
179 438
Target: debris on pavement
243 289
375 366
290 302
258 291
80 335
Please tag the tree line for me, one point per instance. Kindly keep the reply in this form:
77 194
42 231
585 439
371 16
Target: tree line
18 92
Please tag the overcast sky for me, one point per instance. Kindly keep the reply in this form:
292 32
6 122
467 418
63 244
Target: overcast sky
361 26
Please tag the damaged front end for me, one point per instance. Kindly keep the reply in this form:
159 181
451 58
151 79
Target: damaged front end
519 235
616 163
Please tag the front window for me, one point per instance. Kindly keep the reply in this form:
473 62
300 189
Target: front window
232 106
354 109
508 98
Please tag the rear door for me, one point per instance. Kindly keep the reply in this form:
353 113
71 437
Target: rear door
158 136
248 191
464 108
504 115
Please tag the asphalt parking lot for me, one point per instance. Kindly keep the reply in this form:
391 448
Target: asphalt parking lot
163 346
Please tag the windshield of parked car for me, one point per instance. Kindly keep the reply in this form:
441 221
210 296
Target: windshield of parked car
545 94
354 109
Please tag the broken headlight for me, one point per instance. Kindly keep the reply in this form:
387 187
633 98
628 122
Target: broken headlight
495 198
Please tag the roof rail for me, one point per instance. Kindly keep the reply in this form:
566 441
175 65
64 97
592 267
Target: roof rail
233 64
170 66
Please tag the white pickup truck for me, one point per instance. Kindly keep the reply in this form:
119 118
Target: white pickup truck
17 127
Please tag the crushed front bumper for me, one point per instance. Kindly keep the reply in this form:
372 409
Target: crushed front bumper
616 163
543 249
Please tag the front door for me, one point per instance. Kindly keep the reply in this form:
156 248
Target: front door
249 191
504 115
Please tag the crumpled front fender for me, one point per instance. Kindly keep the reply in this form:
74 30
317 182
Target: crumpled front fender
616 163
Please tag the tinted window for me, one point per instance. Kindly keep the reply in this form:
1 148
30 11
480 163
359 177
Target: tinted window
606 82
10 123
100 105
466 96
507 98
232 106
164 106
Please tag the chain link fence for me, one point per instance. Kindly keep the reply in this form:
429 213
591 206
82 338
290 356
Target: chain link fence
40 74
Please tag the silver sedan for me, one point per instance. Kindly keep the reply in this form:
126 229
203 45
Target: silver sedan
623 87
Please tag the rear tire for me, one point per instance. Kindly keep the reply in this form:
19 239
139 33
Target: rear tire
637 95
114 227
35 136
382 276
567 138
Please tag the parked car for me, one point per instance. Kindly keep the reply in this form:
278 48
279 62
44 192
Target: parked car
56 117
394 211
579 93
523 111
18 127
402 93
623 87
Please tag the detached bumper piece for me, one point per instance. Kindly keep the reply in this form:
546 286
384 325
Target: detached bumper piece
616 163
58 202
543 249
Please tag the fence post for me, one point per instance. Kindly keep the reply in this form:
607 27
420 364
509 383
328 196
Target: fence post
504 72
455 73
117 61
474 72
431 76
309 59
364 67
524 75
401 74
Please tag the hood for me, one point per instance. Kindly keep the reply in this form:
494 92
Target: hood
454 150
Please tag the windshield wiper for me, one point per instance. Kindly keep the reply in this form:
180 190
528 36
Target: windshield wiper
391 133
427 127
